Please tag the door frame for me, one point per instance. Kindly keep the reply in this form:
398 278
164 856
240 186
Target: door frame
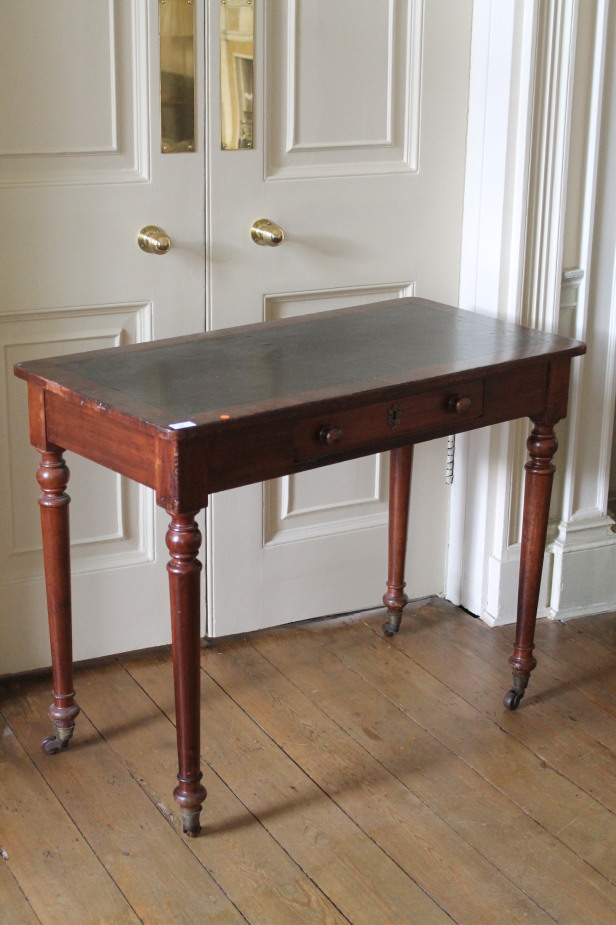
491 273
523 99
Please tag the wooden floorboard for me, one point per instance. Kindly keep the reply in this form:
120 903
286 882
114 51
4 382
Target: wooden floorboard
251 867
15 906
159 879
365 785
574 764
420 742
351 778
360 879
44 846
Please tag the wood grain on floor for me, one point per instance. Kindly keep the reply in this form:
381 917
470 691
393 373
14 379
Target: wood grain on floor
350 777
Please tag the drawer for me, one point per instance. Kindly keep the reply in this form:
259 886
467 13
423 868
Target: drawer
349 430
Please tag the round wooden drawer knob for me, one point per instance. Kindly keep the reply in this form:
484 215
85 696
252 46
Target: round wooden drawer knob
330 435
460 404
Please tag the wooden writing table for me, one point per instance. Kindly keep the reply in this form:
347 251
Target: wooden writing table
195 415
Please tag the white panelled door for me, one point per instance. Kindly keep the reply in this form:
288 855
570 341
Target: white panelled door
81 171
358 154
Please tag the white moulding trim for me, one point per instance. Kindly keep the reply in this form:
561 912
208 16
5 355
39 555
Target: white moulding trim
500 103
584 566
576 282
502 597
554 70
585 530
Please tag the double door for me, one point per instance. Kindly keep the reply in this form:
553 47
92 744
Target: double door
353 127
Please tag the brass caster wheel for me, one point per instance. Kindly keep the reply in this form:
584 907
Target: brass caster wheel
51 745
392 625
191 825
512 698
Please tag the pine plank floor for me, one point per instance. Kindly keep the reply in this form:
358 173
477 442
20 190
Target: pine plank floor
350 777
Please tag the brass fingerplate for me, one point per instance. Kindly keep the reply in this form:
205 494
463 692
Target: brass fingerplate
236 74
177 76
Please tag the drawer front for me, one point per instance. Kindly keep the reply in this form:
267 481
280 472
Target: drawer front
348 430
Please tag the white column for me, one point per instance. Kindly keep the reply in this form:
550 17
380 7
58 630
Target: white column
584 551
540 302
500 109
528 81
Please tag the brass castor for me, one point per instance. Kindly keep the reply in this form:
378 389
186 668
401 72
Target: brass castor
51 745
512 698
390 630
191 825
392 625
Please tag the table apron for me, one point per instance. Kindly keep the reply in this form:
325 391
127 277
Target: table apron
186 470
118 444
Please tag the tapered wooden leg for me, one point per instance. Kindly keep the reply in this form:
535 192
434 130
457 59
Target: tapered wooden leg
53 476
400 468
183 541
542 446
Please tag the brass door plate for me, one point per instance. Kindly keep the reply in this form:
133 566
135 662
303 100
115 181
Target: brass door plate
236 74
176 21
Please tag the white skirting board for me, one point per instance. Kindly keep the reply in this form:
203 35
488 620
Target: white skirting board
502 597
579 574
584 567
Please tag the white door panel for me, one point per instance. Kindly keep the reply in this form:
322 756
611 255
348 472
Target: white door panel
75 91
105 523
343 94
359 149
81 171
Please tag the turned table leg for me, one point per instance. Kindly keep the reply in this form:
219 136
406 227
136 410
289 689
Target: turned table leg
183 541
542 446
400 468
52 476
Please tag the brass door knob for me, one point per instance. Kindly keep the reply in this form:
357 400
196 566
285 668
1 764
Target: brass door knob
266 233
153 240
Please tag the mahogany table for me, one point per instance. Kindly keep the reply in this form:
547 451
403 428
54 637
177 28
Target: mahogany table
195 415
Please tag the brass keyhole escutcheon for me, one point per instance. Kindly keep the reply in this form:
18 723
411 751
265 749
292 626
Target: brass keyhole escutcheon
266 233
153 240
394 416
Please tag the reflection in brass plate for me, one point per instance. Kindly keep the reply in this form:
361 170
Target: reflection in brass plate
236 73
177 75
